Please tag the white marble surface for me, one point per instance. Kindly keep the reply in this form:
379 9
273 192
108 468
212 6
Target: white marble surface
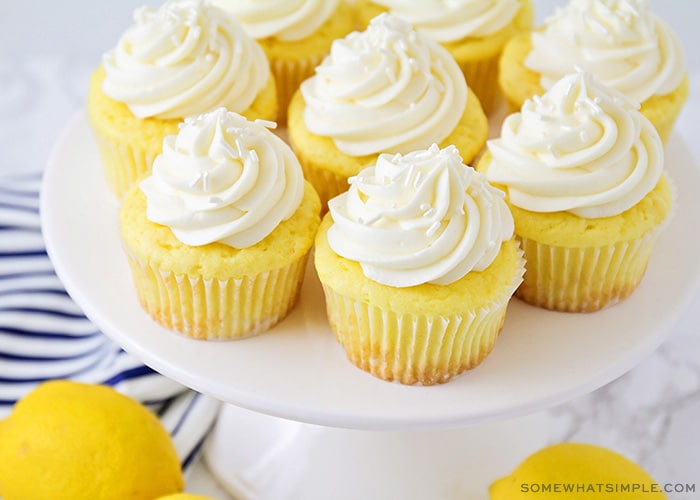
651 414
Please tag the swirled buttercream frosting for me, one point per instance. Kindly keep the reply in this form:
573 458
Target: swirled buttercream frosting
285 20
423 217
224 179
452 20
582 148
386 89
184 58
621 42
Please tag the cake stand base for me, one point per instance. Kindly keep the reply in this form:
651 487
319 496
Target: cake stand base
256 456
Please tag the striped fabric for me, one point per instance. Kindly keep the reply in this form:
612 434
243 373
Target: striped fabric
44 335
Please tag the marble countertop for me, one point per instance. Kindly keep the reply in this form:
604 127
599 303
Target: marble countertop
651 414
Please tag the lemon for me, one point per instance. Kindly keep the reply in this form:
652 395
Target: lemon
577 471
75 441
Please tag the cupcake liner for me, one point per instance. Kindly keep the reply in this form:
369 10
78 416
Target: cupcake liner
214 309
481 76
583 279
591 278
123 164
326 183
288 76
416 348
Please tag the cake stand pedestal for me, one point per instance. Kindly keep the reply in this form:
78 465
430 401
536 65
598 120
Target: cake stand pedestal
308 424
256 456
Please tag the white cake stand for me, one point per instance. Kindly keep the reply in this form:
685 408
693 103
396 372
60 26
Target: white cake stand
303 423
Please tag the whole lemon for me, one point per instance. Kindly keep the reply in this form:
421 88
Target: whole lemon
577 471
69 440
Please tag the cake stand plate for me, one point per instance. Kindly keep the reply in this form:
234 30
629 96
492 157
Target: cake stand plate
297 371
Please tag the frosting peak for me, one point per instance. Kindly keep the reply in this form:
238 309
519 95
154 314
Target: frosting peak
582 147
286 20
184 58
387 89
223 178
452 20
621 42
423 217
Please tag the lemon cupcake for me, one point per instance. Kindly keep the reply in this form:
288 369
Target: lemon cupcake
582 169
622 42
418 263
387 89
182 59
473 31
295 34
217 236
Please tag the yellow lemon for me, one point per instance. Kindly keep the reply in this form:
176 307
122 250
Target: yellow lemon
577 471
78 441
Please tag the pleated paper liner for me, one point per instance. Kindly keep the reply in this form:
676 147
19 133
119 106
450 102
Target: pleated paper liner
416 348
213 309
123 164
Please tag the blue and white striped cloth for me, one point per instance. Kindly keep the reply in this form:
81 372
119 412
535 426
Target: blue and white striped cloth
44 335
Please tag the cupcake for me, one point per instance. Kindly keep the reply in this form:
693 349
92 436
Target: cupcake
473 31
387 89
583 173
621 42
182 59
295 34
217 237
418 263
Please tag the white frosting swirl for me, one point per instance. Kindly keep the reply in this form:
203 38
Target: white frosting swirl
582 148
285 20
424 217
621 42
182 59
452 20
387 89
223 178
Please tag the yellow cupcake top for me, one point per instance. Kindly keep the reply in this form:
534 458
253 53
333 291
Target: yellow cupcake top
224 179
423 217
184 58
285 20
449 20
386 89
581 148
622 42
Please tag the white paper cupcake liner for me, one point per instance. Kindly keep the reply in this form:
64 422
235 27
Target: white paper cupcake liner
213 309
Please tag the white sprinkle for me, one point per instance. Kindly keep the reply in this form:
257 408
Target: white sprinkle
239 147
205 181
266 123
372 219
353 179
195 180
254 156
553 151
424 206
433 228
388 53
462 211
229 149
390 74
434 148
430 212
419 178
583 136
